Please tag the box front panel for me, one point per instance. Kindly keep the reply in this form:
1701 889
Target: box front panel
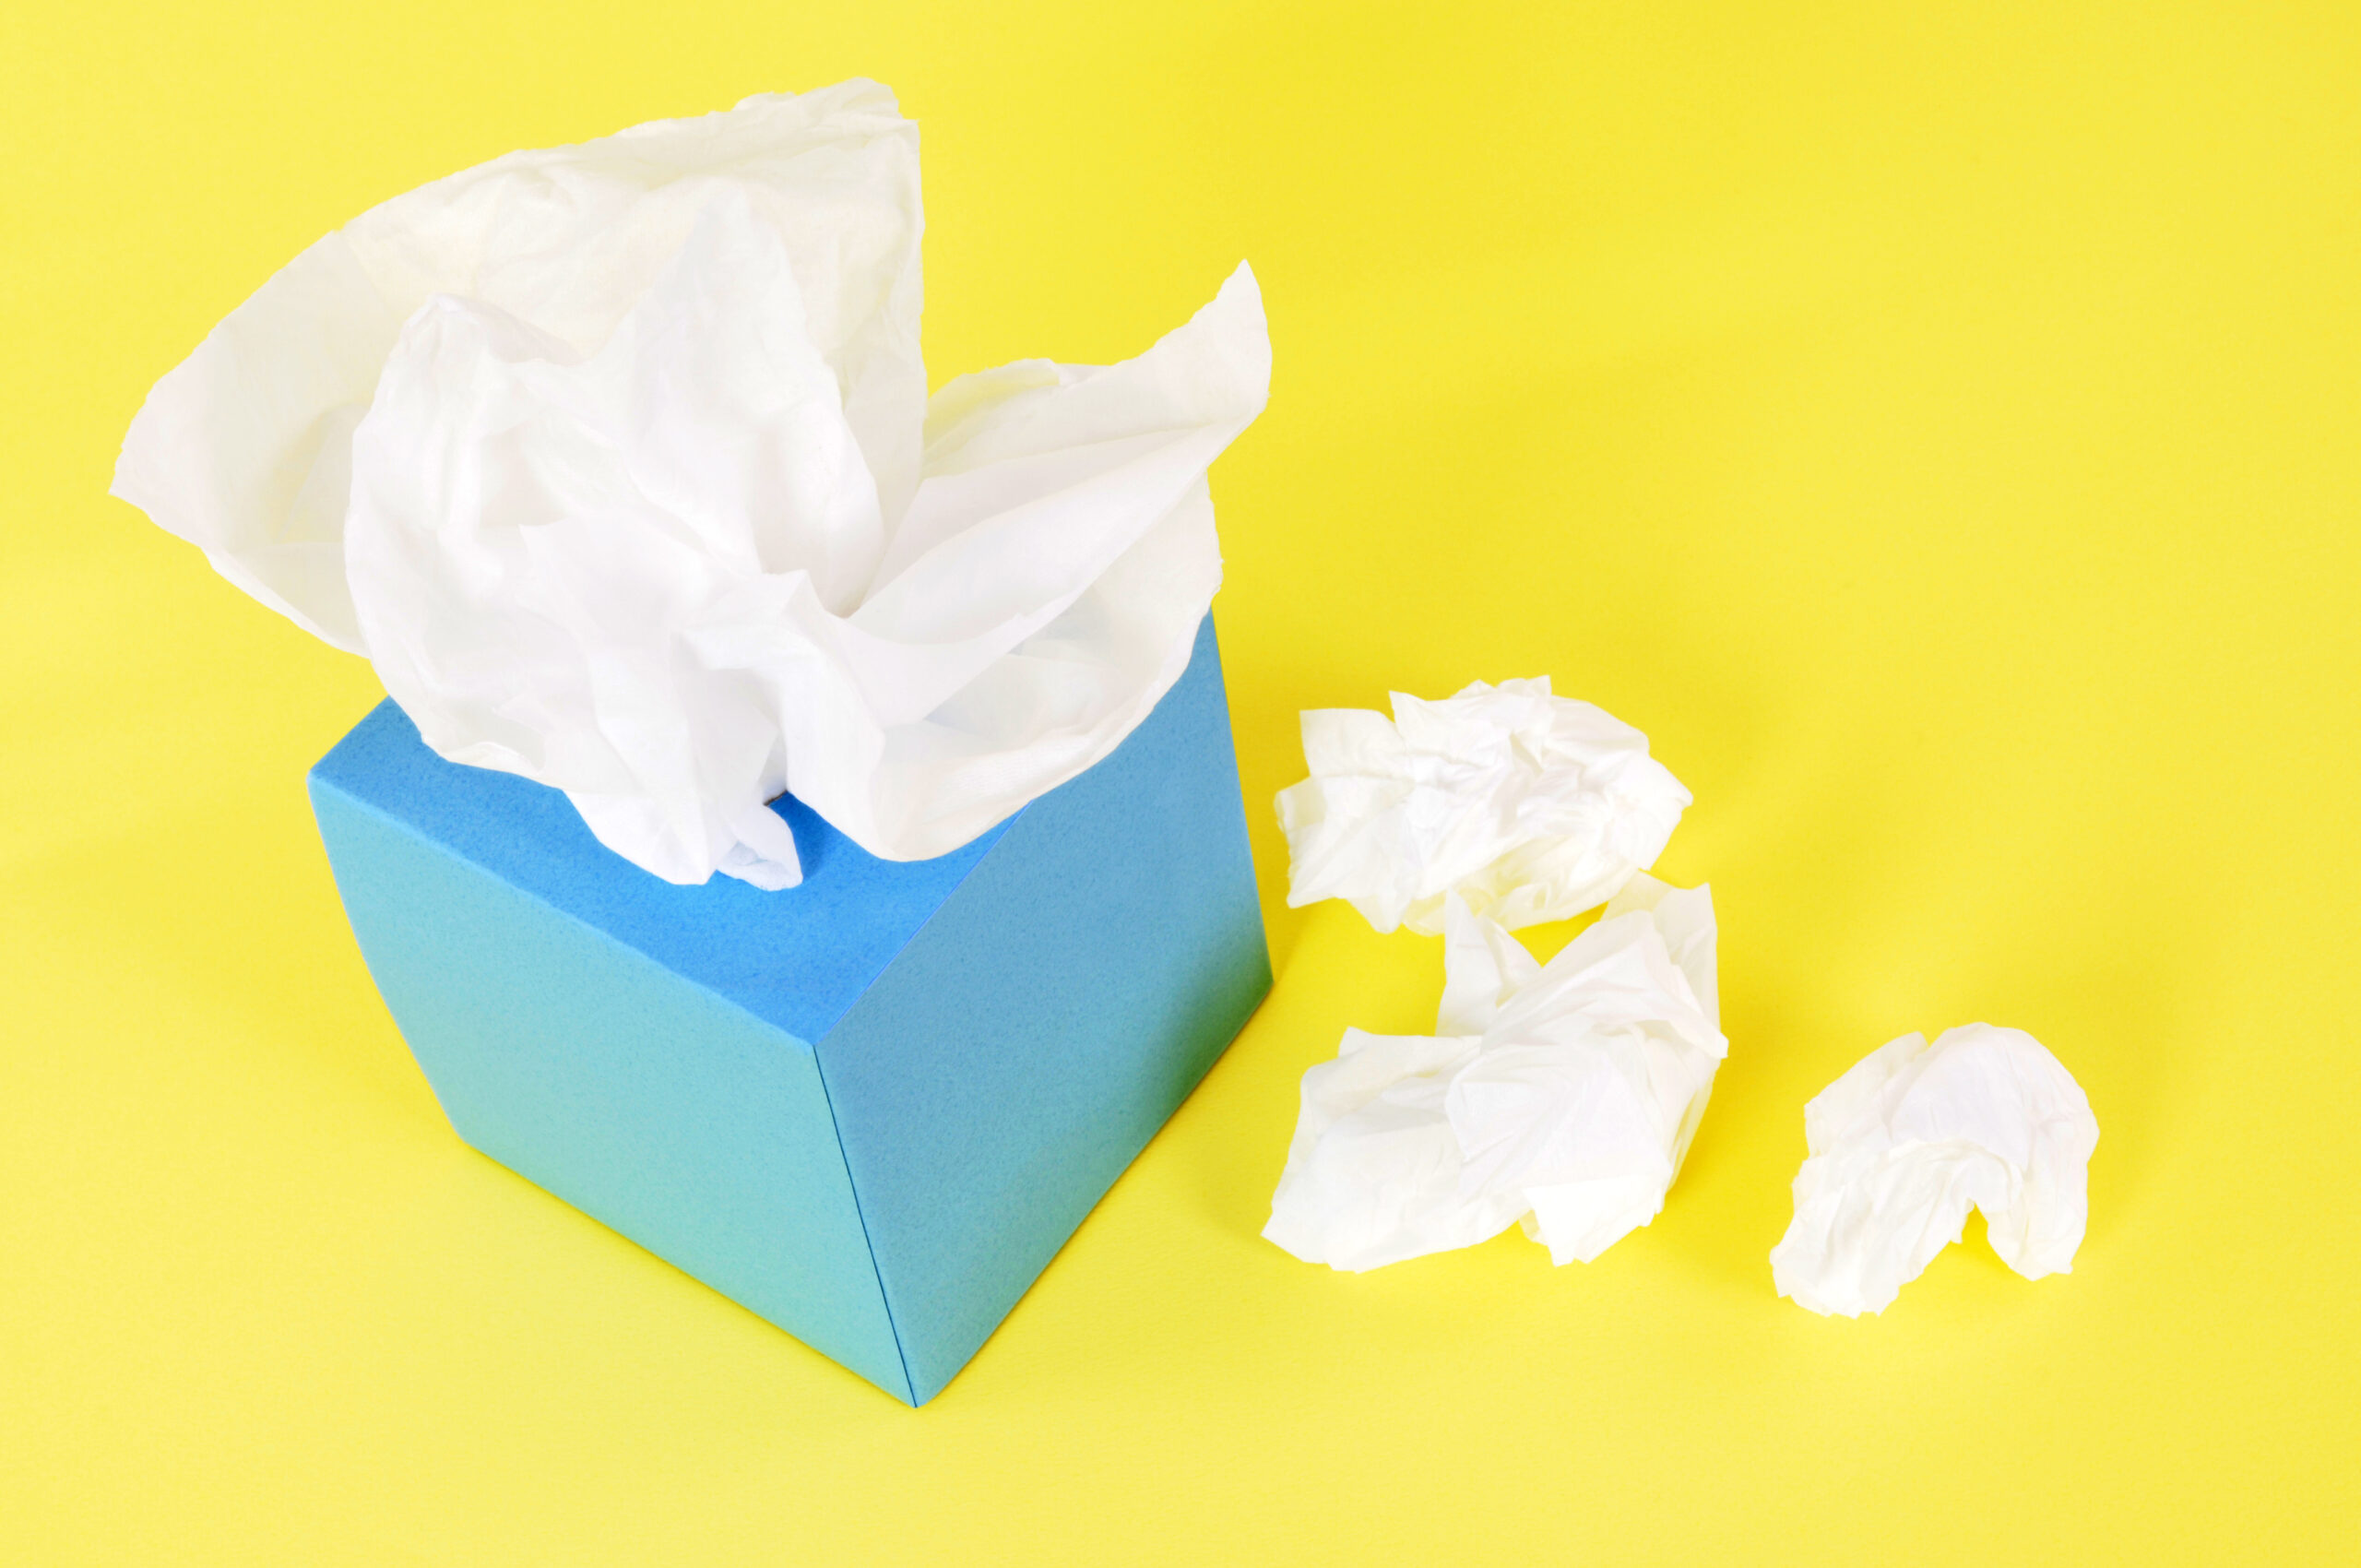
672 1116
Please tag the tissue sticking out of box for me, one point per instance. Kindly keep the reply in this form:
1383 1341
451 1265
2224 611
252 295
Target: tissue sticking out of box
617 462
1529 807
1564 1094
1912 1137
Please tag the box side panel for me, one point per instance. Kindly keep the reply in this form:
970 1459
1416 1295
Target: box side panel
655 1107
1027 1045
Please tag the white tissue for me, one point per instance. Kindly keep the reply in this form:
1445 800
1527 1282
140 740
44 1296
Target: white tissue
617 462
1530 807
1914 1136
1564 1095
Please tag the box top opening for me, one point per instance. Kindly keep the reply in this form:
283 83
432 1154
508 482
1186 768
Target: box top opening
798 959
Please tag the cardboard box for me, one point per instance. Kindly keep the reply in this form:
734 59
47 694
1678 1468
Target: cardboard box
871 1108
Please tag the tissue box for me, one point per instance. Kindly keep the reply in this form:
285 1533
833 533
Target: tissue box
870 1108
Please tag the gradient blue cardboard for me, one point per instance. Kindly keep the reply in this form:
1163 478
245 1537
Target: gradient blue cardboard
871 1108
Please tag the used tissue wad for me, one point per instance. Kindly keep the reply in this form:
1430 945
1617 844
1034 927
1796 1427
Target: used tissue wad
1911 1139
617 462
1528 807
1562 1094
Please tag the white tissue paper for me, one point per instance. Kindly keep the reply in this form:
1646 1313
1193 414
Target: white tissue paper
1564 1094
1529 807
1914 1136
617 460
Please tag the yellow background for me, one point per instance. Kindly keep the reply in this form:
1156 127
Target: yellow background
1939 434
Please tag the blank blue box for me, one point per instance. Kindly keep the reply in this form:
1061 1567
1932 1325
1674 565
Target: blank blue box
870 1108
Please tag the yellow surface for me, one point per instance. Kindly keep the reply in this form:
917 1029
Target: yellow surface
1940 436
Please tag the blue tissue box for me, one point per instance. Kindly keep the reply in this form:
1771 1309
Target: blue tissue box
871 1108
